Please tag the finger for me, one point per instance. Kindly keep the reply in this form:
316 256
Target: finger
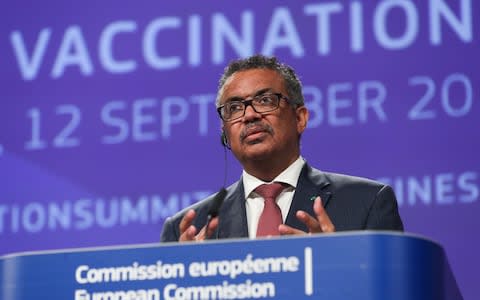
212 226
207 232
201 234
323 219
287 230
312 223
188 234
187 221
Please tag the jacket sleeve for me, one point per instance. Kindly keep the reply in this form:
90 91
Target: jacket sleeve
169 231
383 214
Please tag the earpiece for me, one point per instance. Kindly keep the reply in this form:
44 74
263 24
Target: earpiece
224 140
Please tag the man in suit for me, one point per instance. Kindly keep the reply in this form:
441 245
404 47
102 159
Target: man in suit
261 104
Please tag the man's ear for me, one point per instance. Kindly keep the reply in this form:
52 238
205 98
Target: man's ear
224 139
302 118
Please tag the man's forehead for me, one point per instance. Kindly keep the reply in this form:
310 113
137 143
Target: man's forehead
252 82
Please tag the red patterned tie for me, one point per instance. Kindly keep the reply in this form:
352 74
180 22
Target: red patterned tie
271 215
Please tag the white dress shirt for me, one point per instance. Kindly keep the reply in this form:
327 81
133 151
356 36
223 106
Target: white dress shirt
254 203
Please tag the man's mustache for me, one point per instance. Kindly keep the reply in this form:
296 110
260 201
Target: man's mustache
256 126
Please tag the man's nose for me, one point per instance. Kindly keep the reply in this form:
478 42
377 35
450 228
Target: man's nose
250 113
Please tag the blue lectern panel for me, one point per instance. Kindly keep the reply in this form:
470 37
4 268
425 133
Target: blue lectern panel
342 266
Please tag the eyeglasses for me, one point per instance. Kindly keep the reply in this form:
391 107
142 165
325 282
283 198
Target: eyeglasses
263 103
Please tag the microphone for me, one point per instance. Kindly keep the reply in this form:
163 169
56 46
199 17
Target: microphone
215 205
217 200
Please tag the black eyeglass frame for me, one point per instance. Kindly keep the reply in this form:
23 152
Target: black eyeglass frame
249 102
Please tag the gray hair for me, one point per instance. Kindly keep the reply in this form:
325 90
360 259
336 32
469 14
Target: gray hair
292 82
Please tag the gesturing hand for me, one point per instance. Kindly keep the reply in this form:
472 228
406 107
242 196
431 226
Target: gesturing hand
188 232
321 223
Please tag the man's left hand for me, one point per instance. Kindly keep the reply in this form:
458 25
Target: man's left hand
320 223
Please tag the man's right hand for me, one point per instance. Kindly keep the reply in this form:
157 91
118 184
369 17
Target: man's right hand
188 232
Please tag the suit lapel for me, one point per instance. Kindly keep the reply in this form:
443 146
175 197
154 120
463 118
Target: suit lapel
233 216
311 183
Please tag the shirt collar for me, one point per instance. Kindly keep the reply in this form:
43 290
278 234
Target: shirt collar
289 176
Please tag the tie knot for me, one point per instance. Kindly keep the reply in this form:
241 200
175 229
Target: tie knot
270 191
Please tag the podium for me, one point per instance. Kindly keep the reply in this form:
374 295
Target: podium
352 265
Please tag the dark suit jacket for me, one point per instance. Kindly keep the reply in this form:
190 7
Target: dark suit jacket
352 203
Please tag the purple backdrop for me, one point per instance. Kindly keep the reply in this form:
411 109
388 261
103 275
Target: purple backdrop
108 122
